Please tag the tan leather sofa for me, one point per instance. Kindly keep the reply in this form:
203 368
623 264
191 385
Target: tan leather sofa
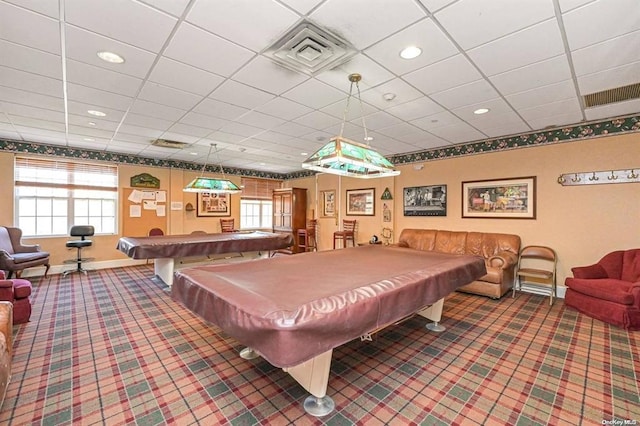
6 347
500 252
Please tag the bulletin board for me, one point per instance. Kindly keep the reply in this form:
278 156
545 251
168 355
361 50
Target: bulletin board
143 209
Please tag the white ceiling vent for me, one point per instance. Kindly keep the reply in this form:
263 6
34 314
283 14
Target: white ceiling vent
309 50
165 143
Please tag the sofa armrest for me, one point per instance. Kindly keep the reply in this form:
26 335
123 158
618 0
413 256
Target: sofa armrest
635 291
6 290
6 324
503 260
26 249
594 271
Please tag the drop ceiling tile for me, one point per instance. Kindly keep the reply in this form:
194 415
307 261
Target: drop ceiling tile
498 107
9 134
180 137
458 133
260 120
543 95
372 74
241 95
219 109
284 108
532 76
204 121
224 137
124 147
83 121
612 110
378 120
400 130
504 129
30 60
28 111
206 51
364 22
496 124
356 110
614 53
49 139
566 5
240 129
314 94
443 75
138 138
417 108
30 29
254 25
556 120
435 5
302 6
122 21
403 93
91 76
83 46
49 8
84 144
389 147
536 43
272 136
184 77
318 120
89 132
609 79
34 83
429 141
266 75
424 34
609 19
101 98
156 93
185 129
549 111
292 129
491 19
174 7
26 124
144 121
466 94
151 109
444 118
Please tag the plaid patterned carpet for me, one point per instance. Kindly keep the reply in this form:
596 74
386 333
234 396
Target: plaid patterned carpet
113 348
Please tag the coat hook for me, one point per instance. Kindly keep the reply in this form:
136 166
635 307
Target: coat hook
612 177
575 178
633 175
561 179
594 177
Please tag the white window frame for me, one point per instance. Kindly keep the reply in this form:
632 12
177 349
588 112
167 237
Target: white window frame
264 219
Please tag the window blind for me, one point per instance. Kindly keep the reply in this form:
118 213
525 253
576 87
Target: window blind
64 174
259 189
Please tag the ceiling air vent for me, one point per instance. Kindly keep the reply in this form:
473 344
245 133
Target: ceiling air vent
165 143
309 50
611 96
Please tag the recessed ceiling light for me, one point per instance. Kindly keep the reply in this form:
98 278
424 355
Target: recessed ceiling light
193 153
91 123
89 139
368 138
110 57
304 153
96 113
410 52
263 164
389 96
481 111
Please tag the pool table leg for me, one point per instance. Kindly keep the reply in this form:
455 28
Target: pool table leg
164 268
313 375
434 313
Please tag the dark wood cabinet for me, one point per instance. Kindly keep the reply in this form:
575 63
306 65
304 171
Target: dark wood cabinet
290 211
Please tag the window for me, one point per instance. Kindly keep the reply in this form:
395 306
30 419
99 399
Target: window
256 205
51 196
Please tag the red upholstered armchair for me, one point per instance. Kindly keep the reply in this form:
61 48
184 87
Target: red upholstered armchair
16 291
608 290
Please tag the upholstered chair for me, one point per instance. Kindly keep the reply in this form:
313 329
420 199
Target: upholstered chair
16 291
16 257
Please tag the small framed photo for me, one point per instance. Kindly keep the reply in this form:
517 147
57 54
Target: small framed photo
361 202
425 200
213 205
510 198
328 203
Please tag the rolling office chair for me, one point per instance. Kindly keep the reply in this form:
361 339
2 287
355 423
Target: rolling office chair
81 231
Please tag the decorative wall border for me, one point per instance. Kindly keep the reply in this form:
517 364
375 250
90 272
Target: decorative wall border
612 126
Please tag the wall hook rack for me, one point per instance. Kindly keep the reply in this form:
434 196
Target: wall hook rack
599 177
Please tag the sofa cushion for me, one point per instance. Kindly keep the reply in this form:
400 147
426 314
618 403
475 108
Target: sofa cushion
418 239
451 242
607 288
19 258
21 288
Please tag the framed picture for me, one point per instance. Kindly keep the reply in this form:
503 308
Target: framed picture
213 204
327 203
425 200
361 202
512 198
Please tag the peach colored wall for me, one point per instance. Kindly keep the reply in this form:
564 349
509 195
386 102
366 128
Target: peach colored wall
582 223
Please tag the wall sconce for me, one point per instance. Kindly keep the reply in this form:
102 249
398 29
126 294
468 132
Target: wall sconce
189 207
